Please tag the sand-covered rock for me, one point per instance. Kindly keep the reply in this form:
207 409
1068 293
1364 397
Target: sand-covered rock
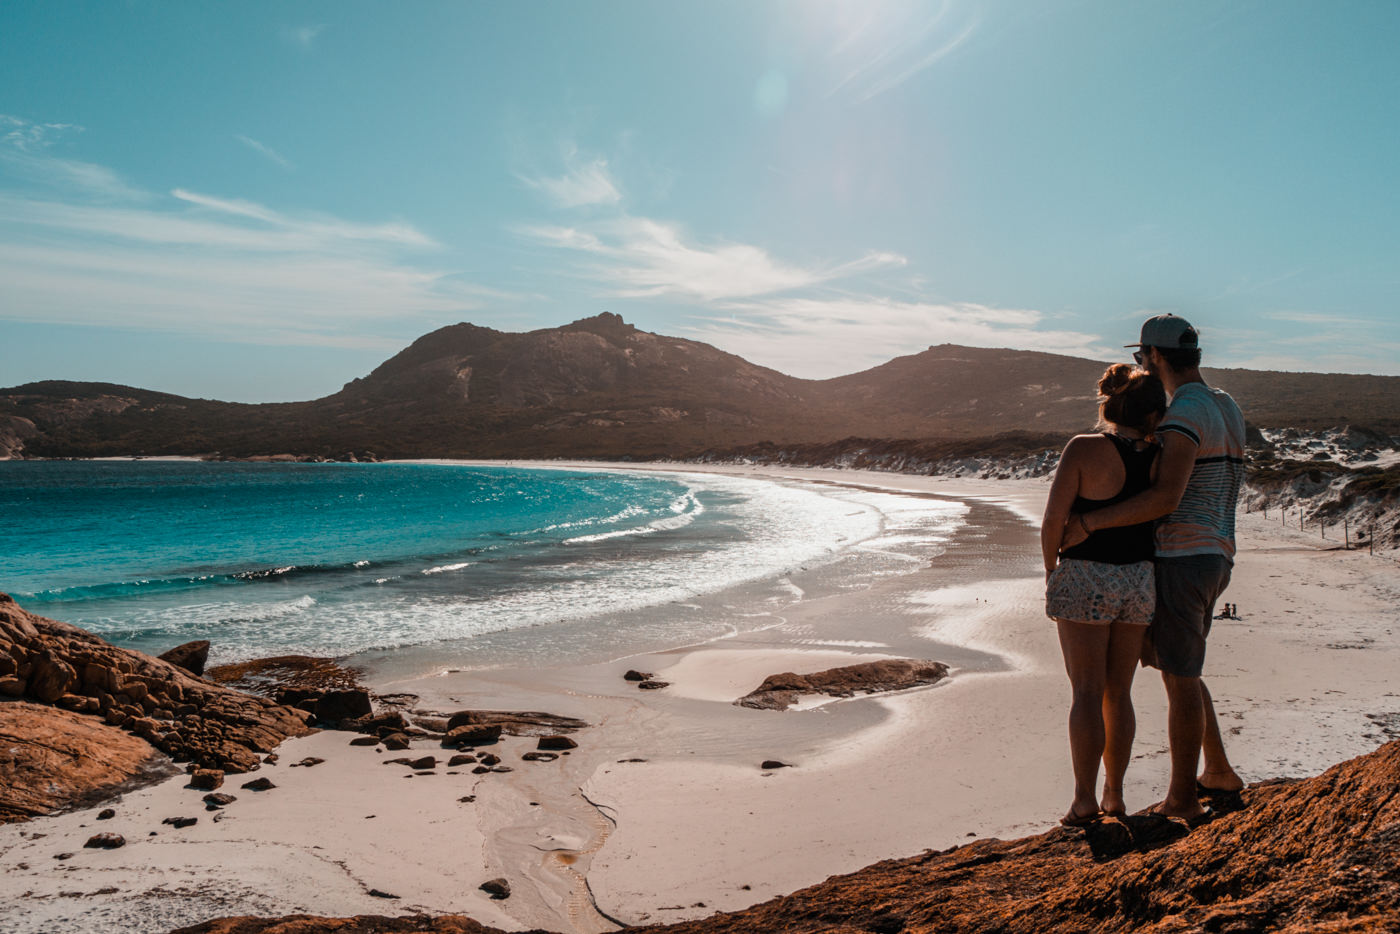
52 758
778 692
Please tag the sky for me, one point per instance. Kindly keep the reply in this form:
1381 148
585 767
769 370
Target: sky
261 201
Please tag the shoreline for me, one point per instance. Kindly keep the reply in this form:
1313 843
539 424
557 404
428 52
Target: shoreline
587 837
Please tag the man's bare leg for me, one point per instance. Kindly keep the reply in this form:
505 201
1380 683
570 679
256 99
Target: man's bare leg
1218 774
1185 730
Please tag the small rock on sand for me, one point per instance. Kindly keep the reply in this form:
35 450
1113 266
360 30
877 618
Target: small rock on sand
556 742
635 675
206 779
496 888
106 814
365 741
773 764
259 784
105 841
650 685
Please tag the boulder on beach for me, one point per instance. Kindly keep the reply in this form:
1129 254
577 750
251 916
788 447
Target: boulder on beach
516 722
555 743
778 692
472 734
191 656
635 675
105 841
206 779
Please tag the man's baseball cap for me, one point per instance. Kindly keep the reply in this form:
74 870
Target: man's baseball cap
1168 331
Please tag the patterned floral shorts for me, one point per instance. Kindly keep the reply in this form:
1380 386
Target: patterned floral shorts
1095 592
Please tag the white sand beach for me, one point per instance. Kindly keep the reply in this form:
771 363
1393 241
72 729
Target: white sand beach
593 839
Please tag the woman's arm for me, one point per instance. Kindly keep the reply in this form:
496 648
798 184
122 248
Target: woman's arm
1062 493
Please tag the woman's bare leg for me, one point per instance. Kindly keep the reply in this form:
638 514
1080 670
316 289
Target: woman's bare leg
1119 719
1085 647
1217 774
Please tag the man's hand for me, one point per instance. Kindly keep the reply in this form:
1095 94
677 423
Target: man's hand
1074 533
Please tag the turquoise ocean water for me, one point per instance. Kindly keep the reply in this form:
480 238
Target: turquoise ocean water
337 559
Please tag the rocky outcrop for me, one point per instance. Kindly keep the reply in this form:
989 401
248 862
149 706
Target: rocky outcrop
516 722
189 719
1321 854
778 692
52 758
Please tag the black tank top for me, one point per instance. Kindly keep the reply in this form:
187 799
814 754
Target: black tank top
1130 543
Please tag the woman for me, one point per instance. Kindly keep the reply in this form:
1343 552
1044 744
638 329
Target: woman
1100 592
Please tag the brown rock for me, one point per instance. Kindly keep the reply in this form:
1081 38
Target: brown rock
556 742
653 685
334 706
219 799
365 741
106 814
105 841
778 692
496 888
191 656
771 764
635 675
460 759
517 722
539 757
181 822
396 741
381 724
308 762
206 779
258 784
490 759
426 762
51 678
472 734
51 758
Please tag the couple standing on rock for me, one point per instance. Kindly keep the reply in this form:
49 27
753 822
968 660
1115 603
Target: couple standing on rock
1139 540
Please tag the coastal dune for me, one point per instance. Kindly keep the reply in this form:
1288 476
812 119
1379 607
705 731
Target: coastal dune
665 811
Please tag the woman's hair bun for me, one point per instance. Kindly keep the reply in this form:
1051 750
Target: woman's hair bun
1118 378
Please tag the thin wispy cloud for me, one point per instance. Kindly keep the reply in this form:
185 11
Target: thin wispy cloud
26 152
302 36
583 183
264 150
637 257
220 267
881 52
818 338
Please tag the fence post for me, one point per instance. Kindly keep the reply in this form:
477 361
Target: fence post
1346 533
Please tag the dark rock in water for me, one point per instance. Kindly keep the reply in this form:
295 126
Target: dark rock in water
426 762
105 841
106 814
556 742
774 764
461 758
206 779
396 741
472 734
635 675
308 762
219 799
191 656
653 685
179 822
539 757
496 888
778 692
258 784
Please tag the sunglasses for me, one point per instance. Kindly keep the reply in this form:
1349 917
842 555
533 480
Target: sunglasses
1138 356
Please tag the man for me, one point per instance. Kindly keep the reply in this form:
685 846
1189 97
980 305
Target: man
1198 483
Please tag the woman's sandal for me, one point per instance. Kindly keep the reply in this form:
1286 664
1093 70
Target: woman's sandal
1080 820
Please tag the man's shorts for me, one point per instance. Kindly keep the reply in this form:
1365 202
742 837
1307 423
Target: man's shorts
1187 589
1097 592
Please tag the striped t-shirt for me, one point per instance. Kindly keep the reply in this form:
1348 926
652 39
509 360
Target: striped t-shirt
1204 521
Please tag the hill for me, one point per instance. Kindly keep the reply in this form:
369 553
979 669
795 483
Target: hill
601 388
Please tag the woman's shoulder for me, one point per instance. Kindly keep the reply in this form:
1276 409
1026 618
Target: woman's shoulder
1086 448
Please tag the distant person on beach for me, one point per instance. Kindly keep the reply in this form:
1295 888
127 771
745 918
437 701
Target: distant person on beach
1101 592
1196 490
